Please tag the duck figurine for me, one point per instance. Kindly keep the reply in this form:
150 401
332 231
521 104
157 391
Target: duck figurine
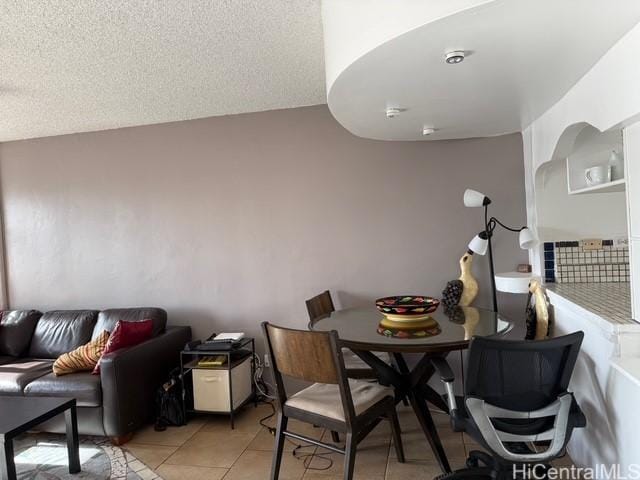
464 290
541 309
469 283
471 320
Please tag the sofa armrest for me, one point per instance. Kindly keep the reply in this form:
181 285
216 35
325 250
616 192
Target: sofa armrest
131 376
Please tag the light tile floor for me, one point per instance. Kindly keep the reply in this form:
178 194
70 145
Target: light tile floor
208 449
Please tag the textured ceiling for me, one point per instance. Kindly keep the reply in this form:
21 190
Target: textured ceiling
81 66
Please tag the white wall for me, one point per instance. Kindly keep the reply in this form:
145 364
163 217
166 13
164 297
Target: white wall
607 98
596 443
622 393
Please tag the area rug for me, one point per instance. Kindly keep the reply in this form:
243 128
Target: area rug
44 457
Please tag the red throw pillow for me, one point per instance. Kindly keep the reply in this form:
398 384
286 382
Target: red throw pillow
126 334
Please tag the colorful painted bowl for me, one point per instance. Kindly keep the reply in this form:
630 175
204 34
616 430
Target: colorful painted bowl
417 329
407 308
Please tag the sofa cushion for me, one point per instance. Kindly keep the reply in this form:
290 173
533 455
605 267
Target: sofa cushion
61 331
126 334
17 375
82 359
107 319
16 329
82 386
7 359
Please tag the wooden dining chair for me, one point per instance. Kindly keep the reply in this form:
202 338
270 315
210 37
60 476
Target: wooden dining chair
353 407
322 305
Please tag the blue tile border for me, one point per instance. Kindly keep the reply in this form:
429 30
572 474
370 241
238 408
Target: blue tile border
549 275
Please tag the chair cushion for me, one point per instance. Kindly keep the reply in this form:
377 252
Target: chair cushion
16 329
18 374
354 362
83 358
82 386
324 399
61 331
107 319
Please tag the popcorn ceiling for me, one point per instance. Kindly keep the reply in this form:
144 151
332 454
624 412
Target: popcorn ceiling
94 65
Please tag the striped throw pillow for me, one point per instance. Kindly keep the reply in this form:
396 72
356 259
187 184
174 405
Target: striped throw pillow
82 358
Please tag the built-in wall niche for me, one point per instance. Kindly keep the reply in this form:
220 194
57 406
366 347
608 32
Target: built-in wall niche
562 216
596 163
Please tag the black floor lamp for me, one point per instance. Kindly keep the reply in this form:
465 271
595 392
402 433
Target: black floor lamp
482 241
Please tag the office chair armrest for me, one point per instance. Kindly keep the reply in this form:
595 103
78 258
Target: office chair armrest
446 375
496 412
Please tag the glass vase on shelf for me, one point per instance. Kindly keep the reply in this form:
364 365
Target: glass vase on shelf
616 162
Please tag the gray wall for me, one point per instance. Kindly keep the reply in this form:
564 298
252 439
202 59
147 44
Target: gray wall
229 221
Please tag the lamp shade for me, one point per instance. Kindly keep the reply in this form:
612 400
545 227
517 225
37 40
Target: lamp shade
527 239
473 198
479 243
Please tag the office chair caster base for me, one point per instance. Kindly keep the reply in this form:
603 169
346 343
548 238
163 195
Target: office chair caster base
478 473
476 456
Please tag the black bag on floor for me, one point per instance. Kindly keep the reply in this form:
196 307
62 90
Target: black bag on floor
169 409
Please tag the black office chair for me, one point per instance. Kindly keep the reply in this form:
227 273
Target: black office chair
516 402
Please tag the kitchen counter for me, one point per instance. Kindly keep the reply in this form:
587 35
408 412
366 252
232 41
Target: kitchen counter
606 375
610 301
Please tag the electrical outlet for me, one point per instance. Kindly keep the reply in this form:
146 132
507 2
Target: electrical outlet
591 244
620 242
266 361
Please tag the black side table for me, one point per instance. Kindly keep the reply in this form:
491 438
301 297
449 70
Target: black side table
189 361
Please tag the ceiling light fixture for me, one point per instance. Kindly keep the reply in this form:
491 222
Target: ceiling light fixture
428 130
393 112
456 56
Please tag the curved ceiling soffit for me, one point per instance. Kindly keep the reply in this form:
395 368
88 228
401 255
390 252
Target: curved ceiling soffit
518 105
449 10
354 28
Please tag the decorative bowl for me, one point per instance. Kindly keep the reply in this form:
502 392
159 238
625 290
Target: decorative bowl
416 329
407 308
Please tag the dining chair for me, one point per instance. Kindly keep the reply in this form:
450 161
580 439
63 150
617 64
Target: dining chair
333 401
322 305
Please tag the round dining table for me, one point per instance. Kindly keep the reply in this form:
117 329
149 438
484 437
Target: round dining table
365 330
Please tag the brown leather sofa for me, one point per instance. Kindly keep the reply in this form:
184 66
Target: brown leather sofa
114 403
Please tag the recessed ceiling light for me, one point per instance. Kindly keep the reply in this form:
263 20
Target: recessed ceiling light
428 130
393 112
456 56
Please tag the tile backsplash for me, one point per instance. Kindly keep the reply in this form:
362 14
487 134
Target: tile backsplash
569 262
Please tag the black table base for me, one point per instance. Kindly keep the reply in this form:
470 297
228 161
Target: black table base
412 384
